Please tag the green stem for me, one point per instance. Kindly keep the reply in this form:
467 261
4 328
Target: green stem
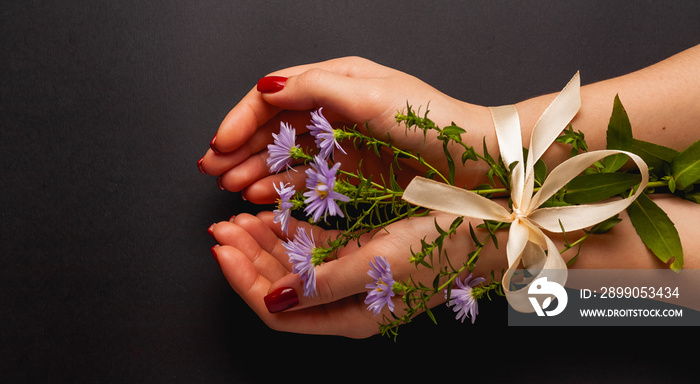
471 261
656 184
375 142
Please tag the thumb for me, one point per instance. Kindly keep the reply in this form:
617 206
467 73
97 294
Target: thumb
356 99
328 282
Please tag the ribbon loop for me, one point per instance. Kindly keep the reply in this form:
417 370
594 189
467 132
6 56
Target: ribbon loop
526 241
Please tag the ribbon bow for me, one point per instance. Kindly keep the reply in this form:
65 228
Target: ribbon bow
526 240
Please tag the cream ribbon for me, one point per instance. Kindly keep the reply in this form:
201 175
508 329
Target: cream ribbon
526 240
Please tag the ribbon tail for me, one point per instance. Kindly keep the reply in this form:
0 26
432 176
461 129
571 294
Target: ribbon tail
556 117
518 235
450 199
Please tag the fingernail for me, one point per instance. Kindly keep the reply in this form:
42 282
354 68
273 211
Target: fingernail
200 167
211 230
219 184
271 84
281 299
232 218
213 252
212 145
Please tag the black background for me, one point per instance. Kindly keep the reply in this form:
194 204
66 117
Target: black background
105 269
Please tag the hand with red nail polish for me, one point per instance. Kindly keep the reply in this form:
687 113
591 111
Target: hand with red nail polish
356 92
352 92
256 265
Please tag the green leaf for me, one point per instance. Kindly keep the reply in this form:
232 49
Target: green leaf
685 167
595 187
619 134
605 225
672 185
436 282
657 231
647 149
469 154
613 162
393 184
694 197
487 156
453 131
473 235
575 139
540 172
450 163
430 314
653 154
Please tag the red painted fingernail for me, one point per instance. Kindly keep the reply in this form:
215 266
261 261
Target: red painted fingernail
271 84
281 299
212 145
200 167
211 230
213 252
219 184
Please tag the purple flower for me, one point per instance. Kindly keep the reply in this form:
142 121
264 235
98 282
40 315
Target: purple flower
284 206
320 194
381 291
465 304
301 251
280 151
325 135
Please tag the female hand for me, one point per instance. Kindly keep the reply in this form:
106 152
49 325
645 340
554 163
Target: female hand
255 263
351 91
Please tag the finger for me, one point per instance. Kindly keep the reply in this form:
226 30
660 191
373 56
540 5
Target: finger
255 168
261 191
319 234
242 122
334 280
215 163
253 241
268 240
243 276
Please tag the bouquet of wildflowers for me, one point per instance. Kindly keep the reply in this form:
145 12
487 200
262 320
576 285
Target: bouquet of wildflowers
361 204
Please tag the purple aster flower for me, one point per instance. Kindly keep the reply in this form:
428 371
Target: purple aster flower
325 135
281 149
465 304
320 195
301 252
284 206
381 290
